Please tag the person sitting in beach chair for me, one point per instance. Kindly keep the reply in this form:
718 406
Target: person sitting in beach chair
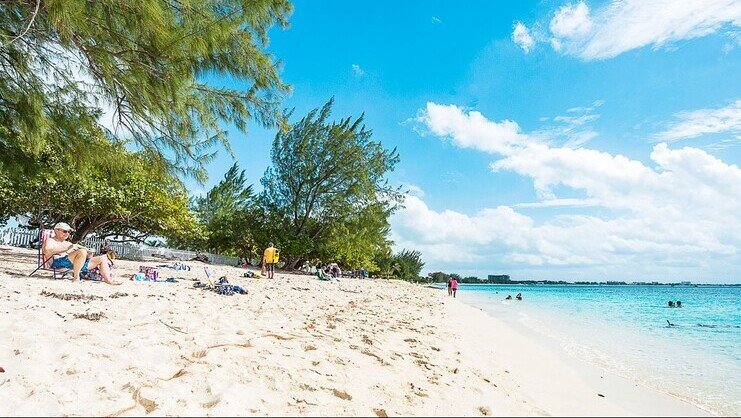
75 257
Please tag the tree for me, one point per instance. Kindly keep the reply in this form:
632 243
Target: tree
384 263
118 193
439 277
408 265
229 215
355 242
144 61
326 181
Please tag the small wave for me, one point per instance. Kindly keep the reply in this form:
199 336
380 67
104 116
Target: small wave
718 326
725 326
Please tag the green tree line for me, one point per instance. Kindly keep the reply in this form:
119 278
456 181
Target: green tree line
325 197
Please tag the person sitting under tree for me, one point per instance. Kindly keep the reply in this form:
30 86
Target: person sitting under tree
74 256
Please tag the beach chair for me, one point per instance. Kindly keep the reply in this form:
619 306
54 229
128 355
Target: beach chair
45 264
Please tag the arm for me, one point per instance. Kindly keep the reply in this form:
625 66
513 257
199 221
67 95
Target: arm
52 247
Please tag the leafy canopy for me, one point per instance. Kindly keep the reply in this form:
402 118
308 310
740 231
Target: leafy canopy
118 193
228 215
326 193
144 62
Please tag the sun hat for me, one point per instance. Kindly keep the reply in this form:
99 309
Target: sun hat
63 226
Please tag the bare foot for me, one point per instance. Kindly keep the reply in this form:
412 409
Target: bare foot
112 283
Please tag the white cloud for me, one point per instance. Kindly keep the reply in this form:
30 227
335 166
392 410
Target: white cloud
412 189
684 208
572 21
573 129
586 109
521 36
552 203
704 121
359 72
624 25
481 134
576 120
436 19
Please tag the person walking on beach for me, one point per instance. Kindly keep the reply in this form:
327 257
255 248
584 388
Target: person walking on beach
453 285
269 259
450 289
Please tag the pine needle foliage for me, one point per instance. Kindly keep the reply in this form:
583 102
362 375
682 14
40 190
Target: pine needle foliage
65 62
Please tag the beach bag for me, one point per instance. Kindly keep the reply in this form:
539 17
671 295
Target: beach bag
150 273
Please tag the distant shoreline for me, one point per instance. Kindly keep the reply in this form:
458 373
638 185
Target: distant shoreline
599 284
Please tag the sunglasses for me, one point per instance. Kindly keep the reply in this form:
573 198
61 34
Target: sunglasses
62 230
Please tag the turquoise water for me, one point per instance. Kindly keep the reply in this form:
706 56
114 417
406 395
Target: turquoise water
624 329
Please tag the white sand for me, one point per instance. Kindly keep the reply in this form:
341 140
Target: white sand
294 345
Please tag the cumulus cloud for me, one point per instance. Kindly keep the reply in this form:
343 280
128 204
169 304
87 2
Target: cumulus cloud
471 130
691 124
359 72
624 25
683 207
521 36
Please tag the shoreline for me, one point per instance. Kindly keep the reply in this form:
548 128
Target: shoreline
293 345
621 395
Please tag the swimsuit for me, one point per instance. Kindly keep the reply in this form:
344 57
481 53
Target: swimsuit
66 263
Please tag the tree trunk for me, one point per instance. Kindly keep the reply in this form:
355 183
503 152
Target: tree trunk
81 233
291 263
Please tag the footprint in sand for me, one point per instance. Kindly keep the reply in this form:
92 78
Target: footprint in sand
211 404
381 413
342 394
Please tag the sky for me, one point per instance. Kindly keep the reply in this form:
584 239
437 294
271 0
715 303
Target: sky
591 140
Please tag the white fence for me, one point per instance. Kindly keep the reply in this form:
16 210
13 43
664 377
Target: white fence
170 254
20 237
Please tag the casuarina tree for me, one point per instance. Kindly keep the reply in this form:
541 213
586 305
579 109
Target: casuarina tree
326 177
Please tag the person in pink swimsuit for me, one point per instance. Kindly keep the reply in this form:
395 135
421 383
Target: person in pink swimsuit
454 286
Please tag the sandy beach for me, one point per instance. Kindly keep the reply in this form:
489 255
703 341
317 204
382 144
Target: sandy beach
291 346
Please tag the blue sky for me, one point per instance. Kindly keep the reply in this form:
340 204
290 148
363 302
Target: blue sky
555 140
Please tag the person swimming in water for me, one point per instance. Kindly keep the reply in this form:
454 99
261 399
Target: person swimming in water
678 304
670 304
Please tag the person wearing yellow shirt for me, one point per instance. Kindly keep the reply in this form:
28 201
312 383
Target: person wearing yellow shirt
270 259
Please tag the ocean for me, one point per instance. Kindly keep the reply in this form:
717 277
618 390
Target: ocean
624 330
